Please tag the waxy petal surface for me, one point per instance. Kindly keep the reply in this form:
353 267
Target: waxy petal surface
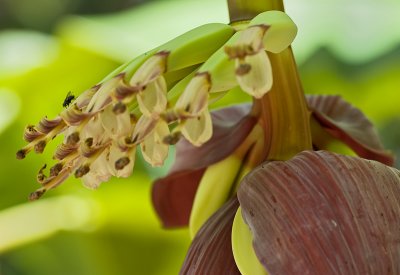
324 213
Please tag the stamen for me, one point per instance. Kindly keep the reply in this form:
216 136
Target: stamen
37 194
73 115
46 125
31 133
90 151
41 177
64 150
21 154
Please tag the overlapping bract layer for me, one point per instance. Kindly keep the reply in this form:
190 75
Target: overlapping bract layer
176 195
318 213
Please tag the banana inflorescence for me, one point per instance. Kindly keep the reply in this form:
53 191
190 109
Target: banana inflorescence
159 96
156 98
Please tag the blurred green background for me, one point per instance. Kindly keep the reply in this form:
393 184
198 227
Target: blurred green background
50 47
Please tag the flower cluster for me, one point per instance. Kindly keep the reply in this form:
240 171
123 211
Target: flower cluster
249 180
106 123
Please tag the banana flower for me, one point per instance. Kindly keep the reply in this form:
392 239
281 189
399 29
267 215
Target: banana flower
255 183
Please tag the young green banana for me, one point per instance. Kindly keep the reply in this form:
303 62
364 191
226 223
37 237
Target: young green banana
242 247
191 48
213 191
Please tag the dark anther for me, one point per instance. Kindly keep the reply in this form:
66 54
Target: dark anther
119 108
89 142
187 108
172 139
81 171
36 195
73 138
243 69
121 163
39 147
21 154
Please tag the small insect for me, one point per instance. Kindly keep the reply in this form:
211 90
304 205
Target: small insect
68 99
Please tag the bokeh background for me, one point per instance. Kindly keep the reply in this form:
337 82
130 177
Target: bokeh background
50 47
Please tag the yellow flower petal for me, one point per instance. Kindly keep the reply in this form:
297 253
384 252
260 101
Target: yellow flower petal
154 150
98 172
150 70
254 74
103 96
195 97
116 125
198 130
115 157
153 99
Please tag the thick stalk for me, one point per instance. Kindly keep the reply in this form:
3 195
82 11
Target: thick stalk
241 10
285 117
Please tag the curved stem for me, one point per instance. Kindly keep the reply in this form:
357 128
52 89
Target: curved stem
285 117
241 10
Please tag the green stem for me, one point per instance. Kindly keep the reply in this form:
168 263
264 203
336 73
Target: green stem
241 10
284 116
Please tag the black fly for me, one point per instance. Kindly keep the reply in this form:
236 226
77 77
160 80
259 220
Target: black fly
68 99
